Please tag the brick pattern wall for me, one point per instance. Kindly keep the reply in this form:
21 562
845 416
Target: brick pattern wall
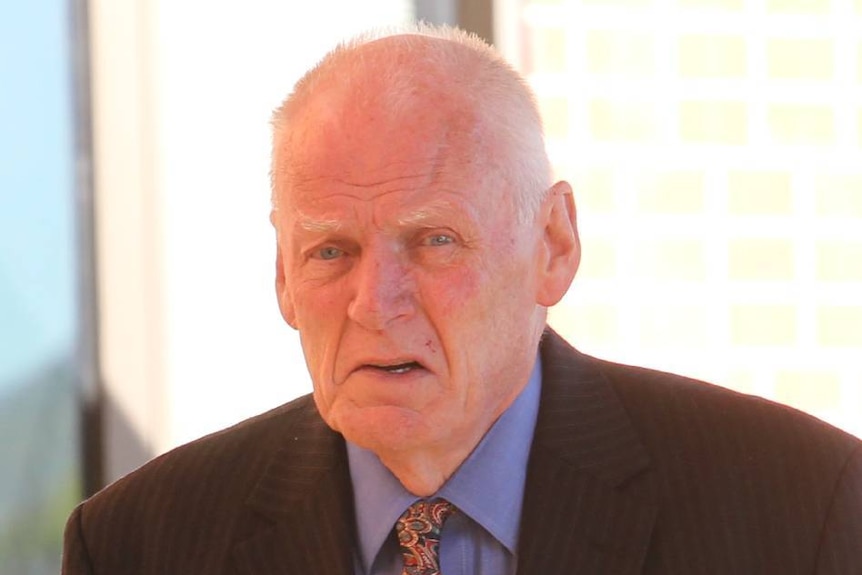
715 147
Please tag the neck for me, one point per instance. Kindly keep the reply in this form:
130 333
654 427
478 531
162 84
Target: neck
423 470
423 473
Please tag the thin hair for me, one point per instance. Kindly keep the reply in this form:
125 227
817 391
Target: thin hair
498 96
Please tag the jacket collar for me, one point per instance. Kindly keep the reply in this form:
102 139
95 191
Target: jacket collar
588 503
306 502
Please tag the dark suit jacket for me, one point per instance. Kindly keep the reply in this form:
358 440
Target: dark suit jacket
631 471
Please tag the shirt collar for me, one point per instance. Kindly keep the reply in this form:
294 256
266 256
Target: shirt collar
488 486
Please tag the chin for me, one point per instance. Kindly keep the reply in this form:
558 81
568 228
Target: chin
382 429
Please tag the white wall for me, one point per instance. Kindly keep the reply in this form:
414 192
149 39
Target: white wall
191 338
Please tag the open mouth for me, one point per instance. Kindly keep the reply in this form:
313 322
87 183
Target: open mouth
397 368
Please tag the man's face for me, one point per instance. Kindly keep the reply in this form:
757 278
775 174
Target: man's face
411 285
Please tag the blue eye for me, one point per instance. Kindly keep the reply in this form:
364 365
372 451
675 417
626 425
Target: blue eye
329 253
440 240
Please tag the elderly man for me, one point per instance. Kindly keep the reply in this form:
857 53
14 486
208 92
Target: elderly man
420 243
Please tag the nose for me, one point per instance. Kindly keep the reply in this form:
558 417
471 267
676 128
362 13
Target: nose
382 289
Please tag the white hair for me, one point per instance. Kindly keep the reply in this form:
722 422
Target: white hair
498 95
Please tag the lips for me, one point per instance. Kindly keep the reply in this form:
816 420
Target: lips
395 367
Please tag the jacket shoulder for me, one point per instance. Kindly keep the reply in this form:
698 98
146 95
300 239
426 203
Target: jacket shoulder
661 404
741 484
239 448
193 495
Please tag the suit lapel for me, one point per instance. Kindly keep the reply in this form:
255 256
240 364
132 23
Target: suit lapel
304 507
588 503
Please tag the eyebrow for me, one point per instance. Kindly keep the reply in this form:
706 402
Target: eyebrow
319 225
435 210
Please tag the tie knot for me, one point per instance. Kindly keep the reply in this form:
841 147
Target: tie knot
418 531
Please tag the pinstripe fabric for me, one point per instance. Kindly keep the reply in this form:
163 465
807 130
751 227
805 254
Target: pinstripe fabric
631 471
577 518
271 495
636 471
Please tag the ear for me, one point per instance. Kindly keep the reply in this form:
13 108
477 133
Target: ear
285 301
560 246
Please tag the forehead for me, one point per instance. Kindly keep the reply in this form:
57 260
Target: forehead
418 181
361 150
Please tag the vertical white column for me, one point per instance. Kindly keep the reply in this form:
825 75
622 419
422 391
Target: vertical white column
191 339
128 255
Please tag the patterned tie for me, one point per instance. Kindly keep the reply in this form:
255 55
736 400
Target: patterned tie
418 532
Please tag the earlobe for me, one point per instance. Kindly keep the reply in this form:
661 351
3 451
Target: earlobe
562 247
285 301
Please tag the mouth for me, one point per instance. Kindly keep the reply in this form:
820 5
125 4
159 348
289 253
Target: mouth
395 368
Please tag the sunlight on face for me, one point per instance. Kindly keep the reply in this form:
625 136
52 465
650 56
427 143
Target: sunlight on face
411 284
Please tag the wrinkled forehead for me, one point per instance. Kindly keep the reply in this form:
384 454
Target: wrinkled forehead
390 115
362 147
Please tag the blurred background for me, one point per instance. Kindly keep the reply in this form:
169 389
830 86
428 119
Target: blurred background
715 147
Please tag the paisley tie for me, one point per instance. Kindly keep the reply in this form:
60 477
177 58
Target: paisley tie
418 531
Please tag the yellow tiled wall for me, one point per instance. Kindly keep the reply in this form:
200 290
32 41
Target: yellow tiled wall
613 52
713 122
712 56
759 192
621 120
839 195
805 58
802 123
715 148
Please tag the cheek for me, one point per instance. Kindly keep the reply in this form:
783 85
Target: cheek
320 317
473 302
315 341
454 293
317 305
461 309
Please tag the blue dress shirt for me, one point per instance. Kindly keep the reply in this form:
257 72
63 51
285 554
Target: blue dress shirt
487 489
